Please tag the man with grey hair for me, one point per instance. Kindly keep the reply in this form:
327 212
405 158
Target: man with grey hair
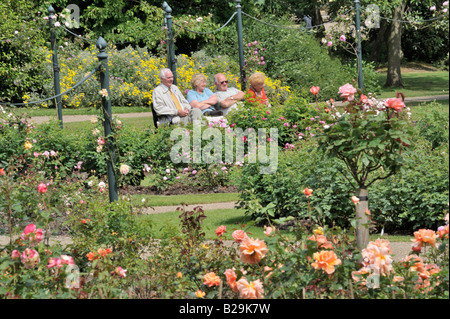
228 97
169 103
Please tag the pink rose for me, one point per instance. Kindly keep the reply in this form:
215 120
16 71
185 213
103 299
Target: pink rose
15 254
347 92
239 235
30 258
220 230
32 234
42 188
315 90
394 103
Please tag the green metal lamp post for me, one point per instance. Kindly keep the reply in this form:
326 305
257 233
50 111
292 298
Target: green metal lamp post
58 106
168 22
241 44
107 114
359 50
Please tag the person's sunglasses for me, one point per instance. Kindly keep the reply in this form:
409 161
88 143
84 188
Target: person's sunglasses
223 82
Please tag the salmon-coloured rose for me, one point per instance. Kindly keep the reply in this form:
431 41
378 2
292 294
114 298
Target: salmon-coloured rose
424 237
307 191
231 279
377 256
394 103
211 279
315 90
252 290
220 230
239 235
326 260
252 250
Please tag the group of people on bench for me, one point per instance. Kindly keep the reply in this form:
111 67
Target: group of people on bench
171 107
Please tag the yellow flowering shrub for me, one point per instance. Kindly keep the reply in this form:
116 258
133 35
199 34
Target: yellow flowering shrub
134 73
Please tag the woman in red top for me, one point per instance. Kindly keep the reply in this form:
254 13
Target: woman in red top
256 92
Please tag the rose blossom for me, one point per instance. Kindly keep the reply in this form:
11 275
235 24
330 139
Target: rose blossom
239 235
42 188
252 250
231 279
252 290
124 169
326 260
347 92
211 279
315 90
425 236
220 230
32 234
394 103
377 256
30 258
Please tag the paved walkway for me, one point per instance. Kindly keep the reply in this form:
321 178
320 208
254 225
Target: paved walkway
82 118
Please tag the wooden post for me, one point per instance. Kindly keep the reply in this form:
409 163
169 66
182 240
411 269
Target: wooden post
362 229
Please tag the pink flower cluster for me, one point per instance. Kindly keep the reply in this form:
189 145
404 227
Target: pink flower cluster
32 234
60 262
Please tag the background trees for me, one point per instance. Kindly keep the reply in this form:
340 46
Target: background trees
408 31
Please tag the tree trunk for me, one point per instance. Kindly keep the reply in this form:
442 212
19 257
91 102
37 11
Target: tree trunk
362 228
395 54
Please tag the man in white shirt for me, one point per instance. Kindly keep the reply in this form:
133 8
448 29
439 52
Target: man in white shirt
169 103
228 97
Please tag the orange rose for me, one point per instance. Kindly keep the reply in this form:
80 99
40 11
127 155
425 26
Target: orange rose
307 191
200 294
211 279
220 230
231 279
414 262
252 250
425 236
314 90
252 290
239 235
443 231
395 103
326 260
377 256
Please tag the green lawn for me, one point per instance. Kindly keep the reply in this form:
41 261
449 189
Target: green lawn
418 84
167 225
191 199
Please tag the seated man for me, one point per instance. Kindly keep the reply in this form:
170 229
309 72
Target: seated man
228 97
170 104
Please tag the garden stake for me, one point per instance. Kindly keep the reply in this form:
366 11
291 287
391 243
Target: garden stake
352 296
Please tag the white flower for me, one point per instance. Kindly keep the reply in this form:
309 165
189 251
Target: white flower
124 169
102 184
